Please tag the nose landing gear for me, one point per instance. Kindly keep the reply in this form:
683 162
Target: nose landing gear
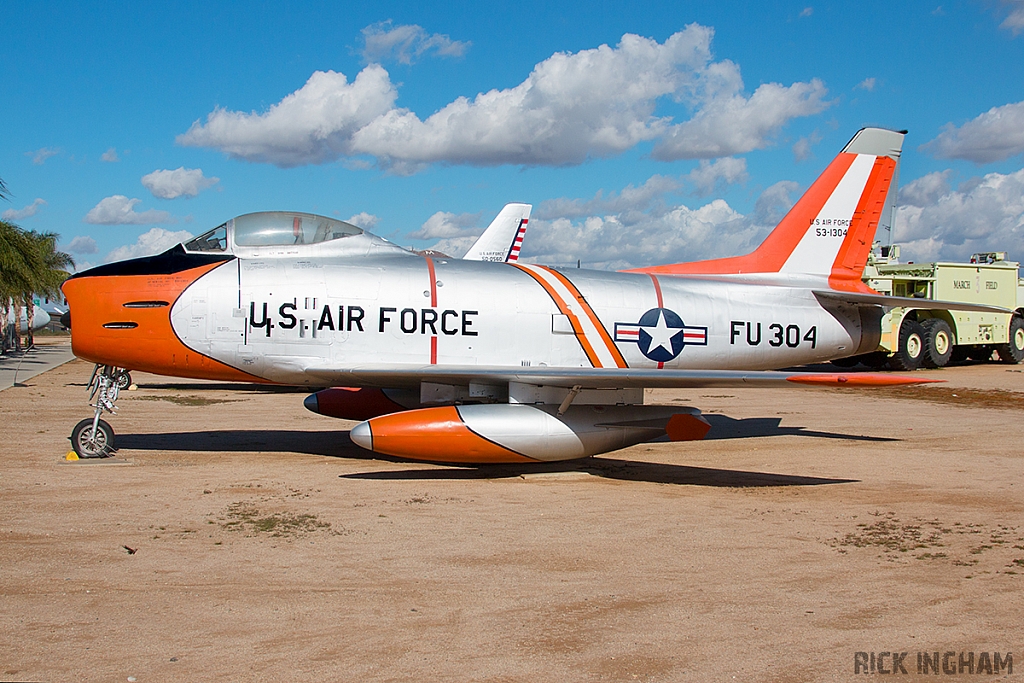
93 437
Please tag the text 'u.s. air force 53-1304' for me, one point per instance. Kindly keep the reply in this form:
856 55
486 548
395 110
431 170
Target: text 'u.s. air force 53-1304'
487 359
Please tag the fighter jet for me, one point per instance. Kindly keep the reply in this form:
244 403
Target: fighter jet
458 360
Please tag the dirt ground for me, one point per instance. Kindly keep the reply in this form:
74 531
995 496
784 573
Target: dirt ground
813 524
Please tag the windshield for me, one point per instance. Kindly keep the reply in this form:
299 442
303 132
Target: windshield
215 240
279 228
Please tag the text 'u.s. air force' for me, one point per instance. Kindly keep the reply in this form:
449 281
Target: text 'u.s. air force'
342 318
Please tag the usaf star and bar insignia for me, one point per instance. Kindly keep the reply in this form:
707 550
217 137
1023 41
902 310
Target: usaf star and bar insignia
660 334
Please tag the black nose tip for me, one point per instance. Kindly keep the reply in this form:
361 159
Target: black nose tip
65 320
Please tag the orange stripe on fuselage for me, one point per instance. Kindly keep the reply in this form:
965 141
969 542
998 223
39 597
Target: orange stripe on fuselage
588 309
436 435
152 346
567 312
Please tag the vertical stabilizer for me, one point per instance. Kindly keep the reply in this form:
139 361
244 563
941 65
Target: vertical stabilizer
829 230
503 238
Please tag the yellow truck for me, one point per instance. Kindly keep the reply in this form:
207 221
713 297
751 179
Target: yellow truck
928 337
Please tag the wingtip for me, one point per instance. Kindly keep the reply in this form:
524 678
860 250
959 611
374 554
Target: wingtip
859 379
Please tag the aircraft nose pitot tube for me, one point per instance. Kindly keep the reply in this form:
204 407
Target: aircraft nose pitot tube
510 433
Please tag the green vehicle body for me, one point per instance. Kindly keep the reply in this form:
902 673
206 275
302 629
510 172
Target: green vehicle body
988 279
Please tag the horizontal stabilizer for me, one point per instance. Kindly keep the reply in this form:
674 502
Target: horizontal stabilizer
859 299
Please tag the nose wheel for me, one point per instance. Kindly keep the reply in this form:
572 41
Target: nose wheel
94 437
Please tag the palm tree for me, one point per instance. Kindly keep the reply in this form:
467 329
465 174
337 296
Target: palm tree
19 261
50 273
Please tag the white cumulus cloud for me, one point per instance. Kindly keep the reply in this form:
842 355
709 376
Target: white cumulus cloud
110 156
730 123
710 175
83 244
444 224
366 221
629 201
985 213
151 242
181 182
313 125
996 135
1014 21
406 43
802 147
40 156
572 107
641 229
867 84
120 210
26 212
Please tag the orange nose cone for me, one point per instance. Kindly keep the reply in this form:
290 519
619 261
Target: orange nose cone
125 320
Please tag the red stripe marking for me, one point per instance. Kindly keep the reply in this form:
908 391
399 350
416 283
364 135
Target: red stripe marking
433 281
657 290
433 304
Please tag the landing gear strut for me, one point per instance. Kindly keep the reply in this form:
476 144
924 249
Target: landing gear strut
93 437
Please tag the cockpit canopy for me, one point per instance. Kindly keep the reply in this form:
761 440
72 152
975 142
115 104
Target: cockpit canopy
273 228
285 232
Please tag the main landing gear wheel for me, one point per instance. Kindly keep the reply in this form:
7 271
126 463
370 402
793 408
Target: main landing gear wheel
92 442
124 379
1013 351
911 350
938 343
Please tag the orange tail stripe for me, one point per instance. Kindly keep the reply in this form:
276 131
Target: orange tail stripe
853 254
776 248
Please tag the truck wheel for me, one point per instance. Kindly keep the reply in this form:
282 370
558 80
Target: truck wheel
938 343
911 351
1013 351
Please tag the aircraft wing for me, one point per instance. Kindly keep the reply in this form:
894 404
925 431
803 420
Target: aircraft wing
903 301
596 378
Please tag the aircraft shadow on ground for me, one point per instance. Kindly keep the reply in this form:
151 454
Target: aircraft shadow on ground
725 427
337 444
252 388
611 468
27 360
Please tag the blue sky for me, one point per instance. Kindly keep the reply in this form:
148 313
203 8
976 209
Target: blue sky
665 132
